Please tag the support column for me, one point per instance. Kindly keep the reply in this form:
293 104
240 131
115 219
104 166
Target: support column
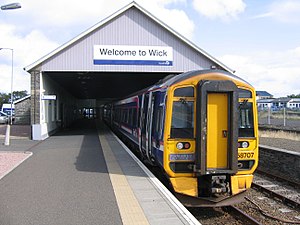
35 97
35 113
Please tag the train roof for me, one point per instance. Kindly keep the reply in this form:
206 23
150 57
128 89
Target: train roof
173 79
176 78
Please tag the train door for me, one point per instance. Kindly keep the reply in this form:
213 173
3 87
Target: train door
143 123
217 131
146 124
157 126
216 127
149 126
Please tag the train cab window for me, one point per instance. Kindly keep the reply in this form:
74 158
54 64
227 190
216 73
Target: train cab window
246 126
184 92
244 93
182 125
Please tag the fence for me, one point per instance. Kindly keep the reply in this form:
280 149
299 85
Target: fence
283 117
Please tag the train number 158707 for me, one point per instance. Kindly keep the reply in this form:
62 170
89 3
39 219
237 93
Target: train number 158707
244 155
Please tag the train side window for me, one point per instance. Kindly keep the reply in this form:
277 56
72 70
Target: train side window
130 117
134 117
184 92
122 114
158 121
125 116
182 125
118 115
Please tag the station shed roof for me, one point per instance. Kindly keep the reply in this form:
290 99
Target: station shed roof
133 4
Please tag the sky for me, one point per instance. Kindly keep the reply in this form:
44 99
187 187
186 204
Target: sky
260 40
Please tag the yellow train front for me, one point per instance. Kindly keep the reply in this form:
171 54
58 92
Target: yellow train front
200 127
210 138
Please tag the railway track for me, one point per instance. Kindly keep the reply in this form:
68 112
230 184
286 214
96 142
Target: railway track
286 192
275 200
222 216
246 219
270 201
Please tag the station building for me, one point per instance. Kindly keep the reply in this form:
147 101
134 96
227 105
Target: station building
128 51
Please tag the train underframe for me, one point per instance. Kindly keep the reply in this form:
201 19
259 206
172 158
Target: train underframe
211 190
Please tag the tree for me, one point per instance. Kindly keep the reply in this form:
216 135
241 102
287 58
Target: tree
19 94
5 97
294 96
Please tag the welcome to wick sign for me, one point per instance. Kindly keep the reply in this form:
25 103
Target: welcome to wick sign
133 55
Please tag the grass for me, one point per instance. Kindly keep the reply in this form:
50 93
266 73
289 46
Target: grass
292 115
280 134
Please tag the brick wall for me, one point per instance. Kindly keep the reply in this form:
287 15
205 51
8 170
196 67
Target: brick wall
280 162
22 112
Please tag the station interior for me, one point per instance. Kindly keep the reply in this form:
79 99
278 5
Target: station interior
102 87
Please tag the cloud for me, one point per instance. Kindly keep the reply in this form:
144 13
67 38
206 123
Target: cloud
57 14
26 48
275 72
175 18
225 10
41 26
285 11
68 13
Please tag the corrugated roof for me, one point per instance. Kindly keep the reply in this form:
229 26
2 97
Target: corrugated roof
263 93
116 14
282 100
265 100
21 99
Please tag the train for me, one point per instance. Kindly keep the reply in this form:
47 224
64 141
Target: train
200 128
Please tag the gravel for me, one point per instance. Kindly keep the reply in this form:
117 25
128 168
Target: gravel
10 160
271 207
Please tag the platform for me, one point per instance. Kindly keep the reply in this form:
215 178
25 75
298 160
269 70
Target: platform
84 176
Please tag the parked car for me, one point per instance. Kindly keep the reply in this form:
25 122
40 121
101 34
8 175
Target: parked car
3 118
8 113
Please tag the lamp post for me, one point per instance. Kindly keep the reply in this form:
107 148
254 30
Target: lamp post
7 135
11 6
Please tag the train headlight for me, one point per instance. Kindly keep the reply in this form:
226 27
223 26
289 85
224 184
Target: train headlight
245 144
183 145
179 145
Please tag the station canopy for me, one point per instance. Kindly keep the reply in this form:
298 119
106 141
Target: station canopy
101 85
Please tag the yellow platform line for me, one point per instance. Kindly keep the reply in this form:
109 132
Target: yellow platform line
130 210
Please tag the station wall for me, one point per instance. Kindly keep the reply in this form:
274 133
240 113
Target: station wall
53 113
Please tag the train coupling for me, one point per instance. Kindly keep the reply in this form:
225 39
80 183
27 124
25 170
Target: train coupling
219 184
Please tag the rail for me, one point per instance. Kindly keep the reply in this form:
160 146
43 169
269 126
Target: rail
246 218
